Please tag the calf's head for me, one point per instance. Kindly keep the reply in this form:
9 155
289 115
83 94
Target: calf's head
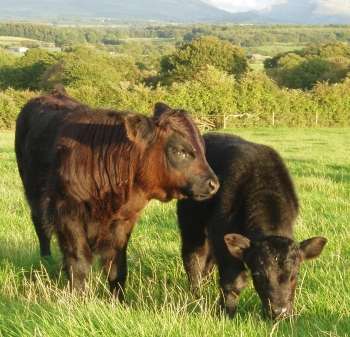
184 170
274 263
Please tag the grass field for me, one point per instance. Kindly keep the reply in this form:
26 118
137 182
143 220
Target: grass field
270 50
14 41
275 48
34 300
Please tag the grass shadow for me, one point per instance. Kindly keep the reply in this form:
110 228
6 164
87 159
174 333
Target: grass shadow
311 169
27 261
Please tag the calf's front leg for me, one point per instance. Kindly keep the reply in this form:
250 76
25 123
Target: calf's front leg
114 258
233 279
198 262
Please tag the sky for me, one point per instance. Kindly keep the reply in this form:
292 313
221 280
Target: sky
333 7
244 5
330 7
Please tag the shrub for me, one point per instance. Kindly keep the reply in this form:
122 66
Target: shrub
87 66
26 72
11 102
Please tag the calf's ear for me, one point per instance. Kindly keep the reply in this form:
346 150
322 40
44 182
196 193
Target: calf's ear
139 129
161 113
236 244
161 108
312 248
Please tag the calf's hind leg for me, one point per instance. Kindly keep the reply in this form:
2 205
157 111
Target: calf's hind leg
77 254
44 235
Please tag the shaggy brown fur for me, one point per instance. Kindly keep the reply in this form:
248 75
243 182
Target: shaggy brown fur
88 173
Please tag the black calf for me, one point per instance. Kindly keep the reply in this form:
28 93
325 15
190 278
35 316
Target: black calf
247 226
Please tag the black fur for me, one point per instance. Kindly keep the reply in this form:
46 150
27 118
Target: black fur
248 225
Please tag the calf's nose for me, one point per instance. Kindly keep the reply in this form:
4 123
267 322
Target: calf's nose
279 312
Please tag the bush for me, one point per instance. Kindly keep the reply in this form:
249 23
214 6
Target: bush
90 67
11 102
257 99
26 72
131 97
333 103
214 97
210 93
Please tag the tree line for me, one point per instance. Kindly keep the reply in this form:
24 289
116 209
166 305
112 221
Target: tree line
208 76
242 35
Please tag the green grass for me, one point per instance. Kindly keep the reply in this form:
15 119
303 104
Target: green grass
34 300
257 66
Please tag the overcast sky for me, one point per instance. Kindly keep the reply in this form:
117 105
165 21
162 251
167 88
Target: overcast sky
244 5
330 7
333 7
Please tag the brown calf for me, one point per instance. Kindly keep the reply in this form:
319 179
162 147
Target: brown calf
88 173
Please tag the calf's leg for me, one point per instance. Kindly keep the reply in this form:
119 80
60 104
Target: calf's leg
233 279
44 235
197 258
77 254
114 259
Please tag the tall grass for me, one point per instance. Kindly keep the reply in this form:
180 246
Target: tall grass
35 300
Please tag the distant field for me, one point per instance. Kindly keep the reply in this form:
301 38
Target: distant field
274 49
270 50
34 300
257 66
151 39
13 41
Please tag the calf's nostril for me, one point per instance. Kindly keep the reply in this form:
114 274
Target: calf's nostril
213 185
278 312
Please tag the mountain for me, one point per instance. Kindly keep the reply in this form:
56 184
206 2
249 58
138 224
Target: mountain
182 11
122 10
307 12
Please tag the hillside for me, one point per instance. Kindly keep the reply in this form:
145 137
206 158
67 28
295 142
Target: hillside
139 10
307 12
181 11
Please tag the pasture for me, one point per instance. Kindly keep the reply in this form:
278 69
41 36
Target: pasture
35 301
13 41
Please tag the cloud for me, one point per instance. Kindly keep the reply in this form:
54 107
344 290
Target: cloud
245 5
322 7
332 7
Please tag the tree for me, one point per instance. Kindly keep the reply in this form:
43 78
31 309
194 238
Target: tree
209 92
192 57
26 72
32 67
88 66
302 69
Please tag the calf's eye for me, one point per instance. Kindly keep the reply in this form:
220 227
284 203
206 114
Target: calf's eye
180 153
